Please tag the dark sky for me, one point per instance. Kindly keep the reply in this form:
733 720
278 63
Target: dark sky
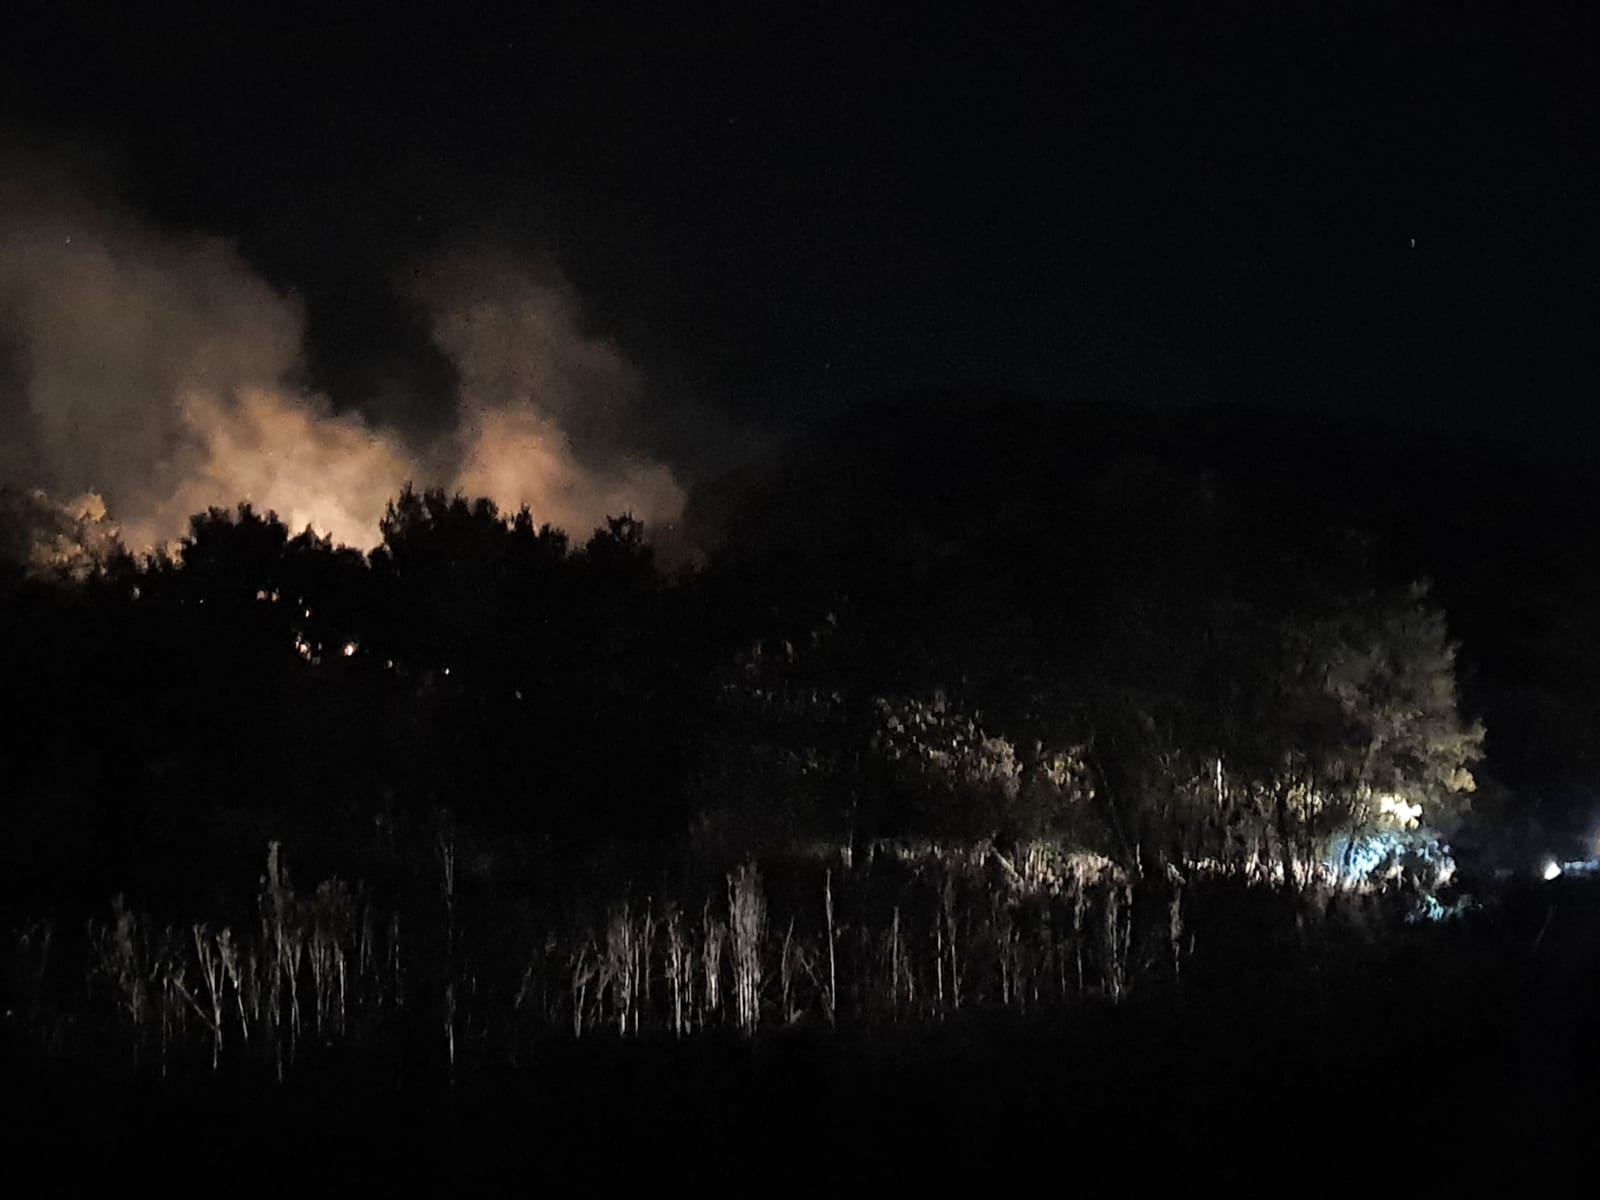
1385 206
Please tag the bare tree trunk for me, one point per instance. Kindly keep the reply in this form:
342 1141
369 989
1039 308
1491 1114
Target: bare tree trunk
1285 841
833 973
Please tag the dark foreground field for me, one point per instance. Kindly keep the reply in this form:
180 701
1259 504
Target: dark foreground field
1458 1050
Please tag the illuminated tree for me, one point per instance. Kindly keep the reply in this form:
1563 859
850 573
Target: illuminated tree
955 776
40 539
1328 722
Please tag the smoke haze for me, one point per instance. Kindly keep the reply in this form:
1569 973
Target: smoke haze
157 369
546 412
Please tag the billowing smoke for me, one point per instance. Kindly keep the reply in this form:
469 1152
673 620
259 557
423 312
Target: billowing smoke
546 410
332 473
158 370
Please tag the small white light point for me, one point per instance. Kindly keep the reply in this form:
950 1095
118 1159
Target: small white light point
349 649
1552 869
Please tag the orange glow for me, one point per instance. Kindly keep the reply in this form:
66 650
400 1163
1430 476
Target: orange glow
518 457
160 371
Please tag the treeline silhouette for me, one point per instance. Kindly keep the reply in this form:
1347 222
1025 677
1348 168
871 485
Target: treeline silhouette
259 682
1062 626
1008 715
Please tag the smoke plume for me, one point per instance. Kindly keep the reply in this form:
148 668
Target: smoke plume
157 369
547 412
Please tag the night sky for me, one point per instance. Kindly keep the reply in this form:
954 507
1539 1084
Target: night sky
1362 207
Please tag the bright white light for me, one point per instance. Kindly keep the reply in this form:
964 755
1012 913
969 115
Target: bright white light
349 649
1405 815
1552 869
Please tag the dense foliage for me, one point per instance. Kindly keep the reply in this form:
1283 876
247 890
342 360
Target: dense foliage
1116 653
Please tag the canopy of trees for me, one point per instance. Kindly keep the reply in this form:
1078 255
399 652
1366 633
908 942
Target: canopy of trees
938 639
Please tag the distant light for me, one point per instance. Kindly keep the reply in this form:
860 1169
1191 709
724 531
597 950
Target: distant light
447 670
1552 869
349 649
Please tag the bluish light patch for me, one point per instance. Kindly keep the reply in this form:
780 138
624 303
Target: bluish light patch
1431 908
1392 854
1361 858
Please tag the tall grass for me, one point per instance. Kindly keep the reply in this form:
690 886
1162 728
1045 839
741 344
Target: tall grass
904 940
747 911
